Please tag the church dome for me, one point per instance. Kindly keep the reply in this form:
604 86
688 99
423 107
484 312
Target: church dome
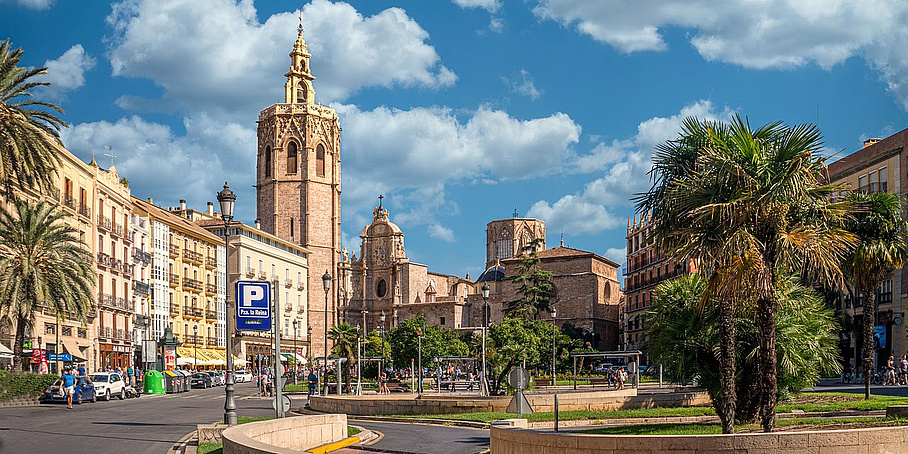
494 273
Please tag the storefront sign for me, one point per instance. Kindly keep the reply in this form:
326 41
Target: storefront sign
170 358
879 336
253 305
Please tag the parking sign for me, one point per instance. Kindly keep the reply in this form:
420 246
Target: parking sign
253 305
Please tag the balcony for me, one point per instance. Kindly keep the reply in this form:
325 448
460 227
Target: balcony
300 286
104 222
263 275
174 250
288 307
128 269
140 288
250 272
288 283
106 332
106 300
192 256
120 334
212 342
193 340
174 309
116 265
69 201
211 289
85 210
210 314
140 255
300 310
116 230
211 262
174 280
103 260
192 284
190 311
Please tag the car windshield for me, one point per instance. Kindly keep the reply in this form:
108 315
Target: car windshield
199 375
101 378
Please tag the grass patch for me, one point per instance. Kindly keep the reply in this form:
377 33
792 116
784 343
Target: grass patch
210 448
248 419
715 428
351 431
839 402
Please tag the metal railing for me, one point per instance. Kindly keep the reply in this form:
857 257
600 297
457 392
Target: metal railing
69 201
85 210
192 256
104 222
210 314
173 249
211 261
116 230
103 259
141 288
174 279
141 255
192 284
211 288
174 309
191 311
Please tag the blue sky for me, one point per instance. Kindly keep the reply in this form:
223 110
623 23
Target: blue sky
458 111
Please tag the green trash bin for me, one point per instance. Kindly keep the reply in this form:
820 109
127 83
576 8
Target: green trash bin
154 382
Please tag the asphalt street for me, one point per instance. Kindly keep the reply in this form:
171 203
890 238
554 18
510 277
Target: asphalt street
426 439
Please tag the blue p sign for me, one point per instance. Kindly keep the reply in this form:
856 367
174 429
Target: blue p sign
253 305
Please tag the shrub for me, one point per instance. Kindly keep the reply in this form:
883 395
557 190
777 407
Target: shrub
27 384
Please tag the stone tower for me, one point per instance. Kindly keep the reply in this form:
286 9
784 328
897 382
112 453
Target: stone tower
505 238
298 182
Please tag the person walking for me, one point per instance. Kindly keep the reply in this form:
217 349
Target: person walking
383 384
130 376
312 379
69 386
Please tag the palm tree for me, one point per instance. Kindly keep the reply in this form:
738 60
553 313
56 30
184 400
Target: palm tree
345 338
881 247
29 128
749 204
42 264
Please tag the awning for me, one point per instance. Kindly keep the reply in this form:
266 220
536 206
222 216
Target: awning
5 352
299 359
74 350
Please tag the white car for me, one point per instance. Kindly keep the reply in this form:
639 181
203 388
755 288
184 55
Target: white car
243 376
108 384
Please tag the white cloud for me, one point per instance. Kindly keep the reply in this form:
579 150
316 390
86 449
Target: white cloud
441 232
626 166
217 56
619 255
67 72
31 4
523 84
488 5
754 34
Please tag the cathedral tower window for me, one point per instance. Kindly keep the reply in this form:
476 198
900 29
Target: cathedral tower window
505 245
268 161
320 160
291 228
301 91
381 289
292 153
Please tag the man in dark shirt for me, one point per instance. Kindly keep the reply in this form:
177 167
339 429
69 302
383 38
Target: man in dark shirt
313 384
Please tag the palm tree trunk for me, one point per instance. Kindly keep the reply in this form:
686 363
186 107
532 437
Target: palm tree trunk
22 330
869 316
766 323
727 366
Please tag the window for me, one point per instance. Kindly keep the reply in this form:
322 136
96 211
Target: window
884 179
872 177
82 333
441 321
862 183
50 328
66 331
301 88
292 153
261 267
268 161
505 245
291 227
381 289
320 160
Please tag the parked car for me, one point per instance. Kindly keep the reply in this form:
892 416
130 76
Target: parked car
83 391
108 384
216 379
201 380
243 376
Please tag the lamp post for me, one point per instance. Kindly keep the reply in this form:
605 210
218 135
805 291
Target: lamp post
419 333
195 346
326 282
554 328
296 324
309 341
484 390
226 200
359 362
381 331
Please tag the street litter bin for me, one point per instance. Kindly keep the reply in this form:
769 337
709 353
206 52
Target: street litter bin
187 380
172 382
154 382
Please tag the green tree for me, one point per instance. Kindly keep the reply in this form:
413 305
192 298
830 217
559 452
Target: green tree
514 340
881 232
344 337
42 265
437 341
534 285
29 128
684 337
748 204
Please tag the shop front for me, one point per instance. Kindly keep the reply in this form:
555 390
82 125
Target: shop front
114 355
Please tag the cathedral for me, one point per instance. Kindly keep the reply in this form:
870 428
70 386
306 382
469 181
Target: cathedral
298 185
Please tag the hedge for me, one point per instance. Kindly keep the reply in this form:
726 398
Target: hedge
27 384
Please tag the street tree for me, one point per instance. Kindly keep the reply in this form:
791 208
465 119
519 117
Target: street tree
881 233
747 204
515 340
344 337
535 288
29 128
43 265
437 341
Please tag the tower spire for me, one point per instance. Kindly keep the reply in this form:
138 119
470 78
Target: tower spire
298 89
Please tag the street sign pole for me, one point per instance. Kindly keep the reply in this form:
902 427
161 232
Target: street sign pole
278 369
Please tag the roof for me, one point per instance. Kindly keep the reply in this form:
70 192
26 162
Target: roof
565 252
174 220
494 273
867 155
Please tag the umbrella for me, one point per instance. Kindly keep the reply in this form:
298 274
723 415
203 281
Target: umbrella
183 361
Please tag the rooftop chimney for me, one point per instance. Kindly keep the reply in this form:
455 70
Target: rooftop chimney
871 141
182 205
210 208
151 201
258 224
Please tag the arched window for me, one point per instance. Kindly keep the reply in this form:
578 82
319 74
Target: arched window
505 245
301 91
268 161
320 160
292 153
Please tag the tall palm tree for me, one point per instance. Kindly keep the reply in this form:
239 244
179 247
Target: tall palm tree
881 234
345 337
29 128
42 264
750 204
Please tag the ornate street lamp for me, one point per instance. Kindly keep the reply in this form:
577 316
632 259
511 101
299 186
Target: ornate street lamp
381 331
484 390
226 200
195 346
296 324
326 282
554 328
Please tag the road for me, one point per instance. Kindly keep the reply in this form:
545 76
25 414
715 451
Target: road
152 424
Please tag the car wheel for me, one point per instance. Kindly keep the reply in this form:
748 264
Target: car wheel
107 396
94 397
79 399
122 393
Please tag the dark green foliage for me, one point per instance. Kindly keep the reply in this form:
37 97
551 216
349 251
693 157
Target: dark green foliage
534 285
436 341
27 384
513 340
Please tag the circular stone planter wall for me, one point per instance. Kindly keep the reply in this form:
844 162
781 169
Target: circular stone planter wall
875 440
284 436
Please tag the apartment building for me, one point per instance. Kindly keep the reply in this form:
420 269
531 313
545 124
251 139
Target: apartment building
140 235
880 166
187 284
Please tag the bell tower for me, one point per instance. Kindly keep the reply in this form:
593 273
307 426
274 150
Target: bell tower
298 179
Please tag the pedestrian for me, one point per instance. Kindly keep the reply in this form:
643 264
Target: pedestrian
130 375
81 370
903 379
313 385
69 386
622 376
383 384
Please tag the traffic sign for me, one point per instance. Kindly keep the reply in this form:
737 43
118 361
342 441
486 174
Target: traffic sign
285 399
253 305
518 378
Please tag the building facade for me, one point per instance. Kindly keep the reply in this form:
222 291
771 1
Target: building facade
880 166
298 180
140 236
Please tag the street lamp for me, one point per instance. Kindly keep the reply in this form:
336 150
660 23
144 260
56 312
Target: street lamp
295 354
381 331
359 362
226 200
195 346
419 333
326 282
309 340
554 328
484 390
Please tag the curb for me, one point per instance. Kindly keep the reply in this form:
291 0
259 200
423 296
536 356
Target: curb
433 422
